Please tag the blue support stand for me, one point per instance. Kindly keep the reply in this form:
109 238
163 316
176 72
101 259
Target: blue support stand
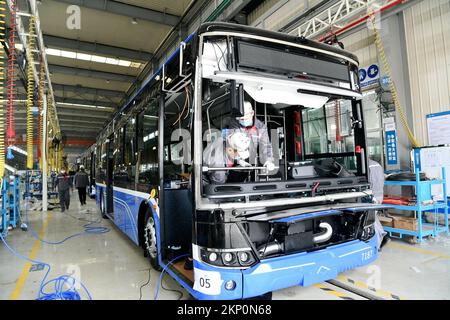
10 205
4 225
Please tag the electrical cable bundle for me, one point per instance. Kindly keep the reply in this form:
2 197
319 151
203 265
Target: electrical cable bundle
2 79
10 127
30 91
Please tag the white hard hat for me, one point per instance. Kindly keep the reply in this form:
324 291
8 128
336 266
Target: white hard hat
81 167
240 142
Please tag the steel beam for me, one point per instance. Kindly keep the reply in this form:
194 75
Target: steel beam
335 17
84 101
77 127
70 120
87 90
62 99
96 48
72 112
65 128
92 122
127 10
93 114
90 73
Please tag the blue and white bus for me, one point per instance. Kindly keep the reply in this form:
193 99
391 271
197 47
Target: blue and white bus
261 228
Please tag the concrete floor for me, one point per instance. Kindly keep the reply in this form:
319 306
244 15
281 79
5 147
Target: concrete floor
112 267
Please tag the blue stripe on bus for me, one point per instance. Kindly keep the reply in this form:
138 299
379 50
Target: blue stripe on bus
126 209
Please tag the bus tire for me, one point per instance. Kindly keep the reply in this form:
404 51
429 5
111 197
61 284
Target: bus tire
150 241
102 206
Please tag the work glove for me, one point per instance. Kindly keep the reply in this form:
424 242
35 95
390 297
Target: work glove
243 163
269 165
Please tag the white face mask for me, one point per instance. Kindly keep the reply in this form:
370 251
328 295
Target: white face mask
246 122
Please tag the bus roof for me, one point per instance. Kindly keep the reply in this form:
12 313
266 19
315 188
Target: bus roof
232 27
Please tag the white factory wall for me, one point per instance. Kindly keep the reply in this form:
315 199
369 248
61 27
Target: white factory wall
362 44
427 26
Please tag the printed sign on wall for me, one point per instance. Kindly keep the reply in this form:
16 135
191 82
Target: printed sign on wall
391 144
438 125
369 76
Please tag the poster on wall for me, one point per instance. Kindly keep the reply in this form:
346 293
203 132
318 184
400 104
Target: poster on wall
438 125
391 144
369 76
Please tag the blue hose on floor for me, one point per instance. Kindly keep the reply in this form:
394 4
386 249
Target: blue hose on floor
71 293
63 281
88 229
164 270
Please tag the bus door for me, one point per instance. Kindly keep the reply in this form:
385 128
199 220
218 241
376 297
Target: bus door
92 169
176 170
109 177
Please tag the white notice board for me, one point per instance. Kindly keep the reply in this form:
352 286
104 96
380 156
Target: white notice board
438 125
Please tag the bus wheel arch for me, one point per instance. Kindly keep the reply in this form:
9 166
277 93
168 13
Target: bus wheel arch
147 235
143 208
102 205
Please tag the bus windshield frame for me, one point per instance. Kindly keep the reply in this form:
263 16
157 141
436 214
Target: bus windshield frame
234 68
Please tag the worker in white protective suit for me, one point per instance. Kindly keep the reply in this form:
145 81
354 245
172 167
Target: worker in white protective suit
245 144
260 147
233 151
376 180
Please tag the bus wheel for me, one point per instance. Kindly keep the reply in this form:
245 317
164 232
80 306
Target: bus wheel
102 206
151 244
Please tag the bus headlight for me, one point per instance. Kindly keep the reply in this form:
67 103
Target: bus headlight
369 225
212 257
243 257
228 258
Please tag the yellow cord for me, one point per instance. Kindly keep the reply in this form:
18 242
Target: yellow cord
41 117
2 79
414 142
30 92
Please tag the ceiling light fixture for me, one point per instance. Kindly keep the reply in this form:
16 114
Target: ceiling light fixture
134 21
90 57
84 105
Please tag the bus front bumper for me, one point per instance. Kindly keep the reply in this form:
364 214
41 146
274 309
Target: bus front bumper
282 272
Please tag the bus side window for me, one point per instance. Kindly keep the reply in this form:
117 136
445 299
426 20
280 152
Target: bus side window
147 158
130 152
119 172
177 142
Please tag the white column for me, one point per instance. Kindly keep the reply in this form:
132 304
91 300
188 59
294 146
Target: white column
44 157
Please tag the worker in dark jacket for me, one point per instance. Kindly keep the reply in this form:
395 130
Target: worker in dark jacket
64 184
81 181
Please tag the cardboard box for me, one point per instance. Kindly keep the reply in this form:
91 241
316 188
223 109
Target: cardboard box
406 223
387 221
